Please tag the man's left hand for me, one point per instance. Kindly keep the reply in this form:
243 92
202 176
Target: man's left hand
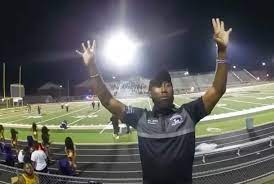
220 36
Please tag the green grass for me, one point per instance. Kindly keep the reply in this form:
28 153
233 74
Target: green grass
81 113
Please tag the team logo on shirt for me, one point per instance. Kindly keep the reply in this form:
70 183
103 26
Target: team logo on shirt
152 121
176 119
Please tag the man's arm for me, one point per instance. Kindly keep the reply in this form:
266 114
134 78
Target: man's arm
97 84
218 88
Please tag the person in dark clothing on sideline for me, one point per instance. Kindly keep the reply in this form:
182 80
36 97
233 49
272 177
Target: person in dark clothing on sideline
93 104
39 109
98 104
166 134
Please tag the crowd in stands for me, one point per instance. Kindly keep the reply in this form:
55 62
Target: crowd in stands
184 84
35 155
131 86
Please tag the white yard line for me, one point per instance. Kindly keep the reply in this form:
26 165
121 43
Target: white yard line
62 115
105 128
83 117
227 108
176 105
14 115
259 97
240 101
31 115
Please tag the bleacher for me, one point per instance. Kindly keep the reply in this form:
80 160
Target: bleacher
182 83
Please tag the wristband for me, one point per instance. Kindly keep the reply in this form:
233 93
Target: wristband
93 76
222 61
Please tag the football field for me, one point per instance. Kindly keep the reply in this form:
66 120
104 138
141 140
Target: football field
88 125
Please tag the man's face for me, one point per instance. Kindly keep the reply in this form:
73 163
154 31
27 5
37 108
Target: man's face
162 95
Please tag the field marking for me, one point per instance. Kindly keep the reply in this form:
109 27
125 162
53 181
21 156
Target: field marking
14 115
62 115
240 101
83 117
227 108
105 128
258 97
176 105
32 114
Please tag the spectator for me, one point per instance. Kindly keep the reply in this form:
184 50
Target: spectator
14 139
70 150
39 159
28 176
27 155
45 140
66 167
20 158
2 137
34 132
9 158
31 142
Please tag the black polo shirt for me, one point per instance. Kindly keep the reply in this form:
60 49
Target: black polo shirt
166 141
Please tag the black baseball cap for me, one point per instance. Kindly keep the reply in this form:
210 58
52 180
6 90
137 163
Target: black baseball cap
159 78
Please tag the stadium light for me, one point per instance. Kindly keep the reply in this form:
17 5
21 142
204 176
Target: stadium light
267 75
234 66
113 77
60 86
120 49
263 63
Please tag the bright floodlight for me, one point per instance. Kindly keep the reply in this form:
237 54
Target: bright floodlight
234 66
263 63
120 49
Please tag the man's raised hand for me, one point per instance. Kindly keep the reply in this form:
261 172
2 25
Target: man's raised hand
88 53
221 36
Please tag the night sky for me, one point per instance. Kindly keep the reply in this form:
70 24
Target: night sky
41 36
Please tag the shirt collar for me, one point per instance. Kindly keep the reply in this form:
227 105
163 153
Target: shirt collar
156 111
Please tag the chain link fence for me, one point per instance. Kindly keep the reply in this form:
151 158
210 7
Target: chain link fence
250 170
239 174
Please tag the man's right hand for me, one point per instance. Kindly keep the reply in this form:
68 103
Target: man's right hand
88 53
